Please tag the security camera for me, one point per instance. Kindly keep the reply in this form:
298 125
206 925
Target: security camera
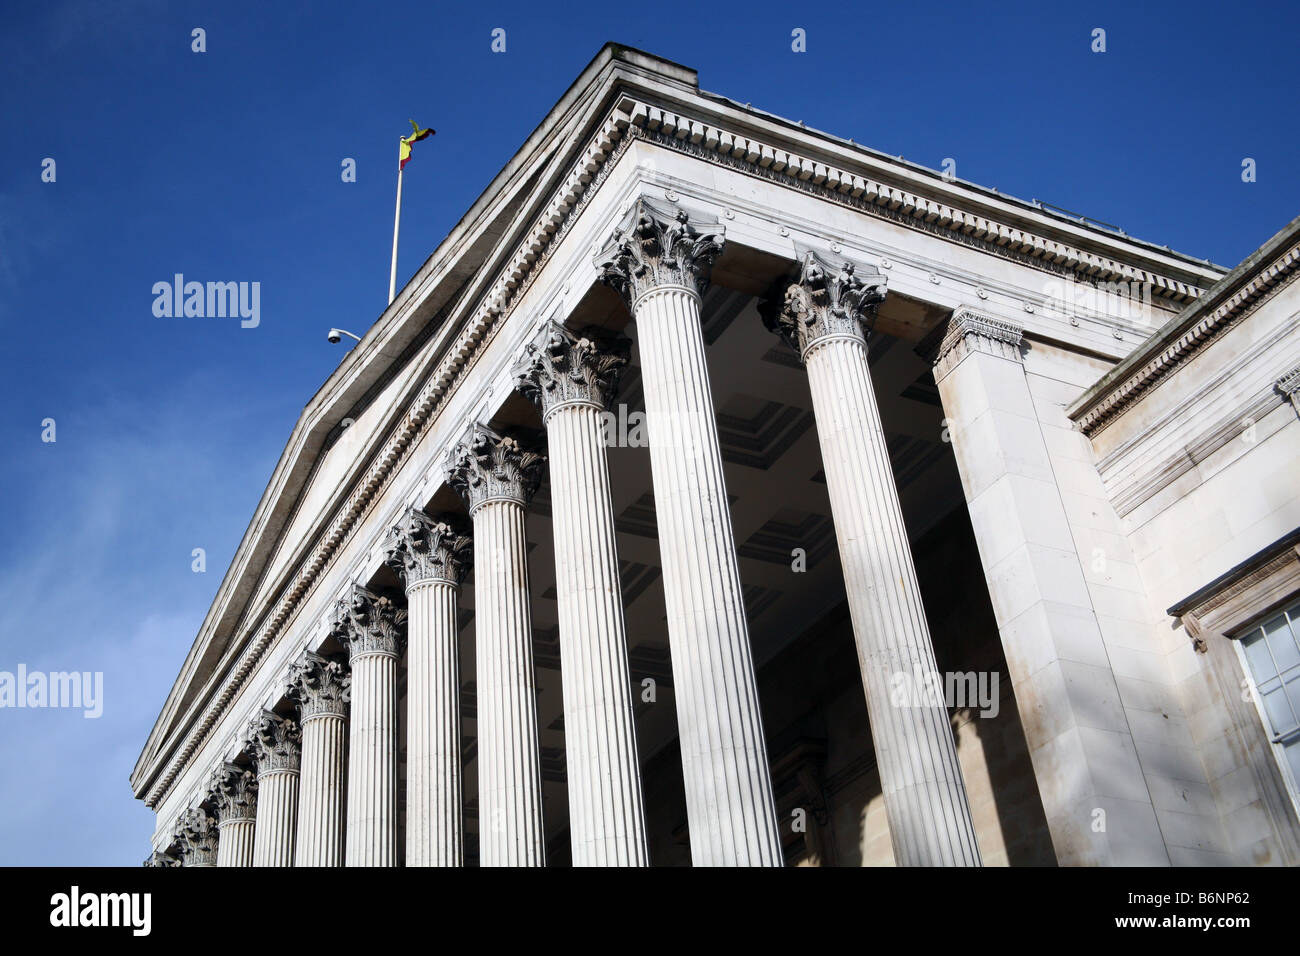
334 337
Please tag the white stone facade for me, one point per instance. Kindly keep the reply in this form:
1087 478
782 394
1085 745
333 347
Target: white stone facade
571 560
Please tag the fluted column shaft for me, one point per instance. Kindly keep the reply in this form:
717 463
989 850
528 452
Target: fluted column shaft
606 812
320 810
235 841
925 798
729 801
372 762
276 746
825 314
277 817
571 377
509 758
433 772
373 628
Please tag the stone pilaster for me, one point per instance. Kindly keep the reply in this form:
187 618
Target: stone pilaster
571 379
497 476
826 315
1051 632
660 264
233 792
432 557
197 835
275 744
373 628
321 688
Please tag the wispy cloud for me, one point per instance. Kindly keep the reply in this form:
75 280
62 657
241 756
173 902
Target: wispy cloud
96 577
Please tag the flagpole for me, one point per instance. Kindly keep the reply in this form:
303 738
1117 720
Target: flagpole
397 221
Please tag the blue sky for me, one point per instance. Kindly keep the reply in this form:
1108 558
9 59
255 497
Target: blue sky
225 165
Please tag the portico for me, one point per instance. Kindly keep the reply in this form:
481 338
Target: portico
478 627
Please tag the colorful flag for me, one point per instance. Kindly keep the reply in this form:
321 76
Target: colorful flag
415 137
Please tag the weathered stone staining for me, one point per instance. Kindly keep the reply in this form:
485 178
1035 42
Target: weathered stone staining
965 473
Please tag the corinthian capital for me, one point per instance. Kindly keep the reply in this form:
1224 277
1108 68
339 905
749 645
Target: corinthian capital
560 368
369 623
421 548
654 247
197 834
826 300
275 742
485 466
161 859
319 685
234 792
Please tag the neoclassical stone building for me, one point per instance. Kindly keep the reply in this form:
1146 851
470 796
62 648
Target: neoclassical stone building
725 492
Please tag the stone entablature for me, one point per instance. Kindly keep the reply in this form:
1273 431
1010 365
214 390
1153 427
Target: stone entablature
1213 399
629 119
902 206
1236 297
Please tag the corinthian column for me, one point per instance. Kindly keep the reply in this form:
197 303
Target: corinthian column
497 477
197 836
571 380
432 558
825 316
374 630
275 745
320 687
234 792
660 264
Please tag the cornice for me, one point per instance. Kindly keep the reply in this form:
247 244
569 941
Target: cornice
1280 557
894 203
1237 296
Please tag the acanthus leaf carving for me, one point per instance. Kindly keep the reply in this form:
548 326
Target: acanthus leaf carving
196 832
825 300
369 623
655 247
275 742
320 686
486 466
560 368
422 548
233 791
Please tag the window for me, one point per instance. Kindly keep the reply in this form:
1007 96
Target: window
1272 657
